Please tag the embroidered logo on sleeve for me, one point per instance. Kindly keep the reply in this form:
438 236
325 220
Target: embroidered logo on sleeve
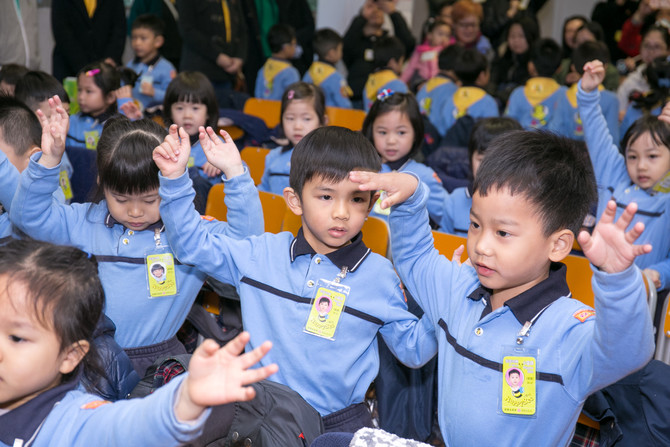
584 314
206 217
94 404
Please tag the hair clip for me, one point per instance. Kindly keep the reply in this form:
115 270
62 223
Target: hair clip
93 72
385 94
290 94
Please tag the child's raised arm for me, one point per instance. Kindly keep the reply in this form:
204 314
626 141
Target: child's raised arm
171 156
54 133
397 186
223 155
594 75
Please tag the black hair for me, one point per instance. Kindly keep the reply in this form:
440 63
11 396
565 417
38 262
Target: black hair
193 87
406 104
566 49
548 170
387 48
448 57
595 29
38 86
665 33
487 129
124 156
471 63
151 22
304 90
589 51
513 371
658 130
279 35
20 127
529 27
331 153
11 73
106 77
325 39
658 77
545 54
324 298
157 266
62 288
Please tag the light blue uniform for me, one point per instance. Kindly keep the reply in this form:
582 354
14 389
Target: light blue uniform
9 180
85 130
277 170
121 252
533 117
578 356
486 107
276 276
335 88
394 83
160 71
432 100
567 121
456 218
614 183
274 88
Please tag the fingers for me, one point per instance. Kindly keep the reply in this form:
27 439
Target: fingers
257 374
626 217
366 180
237 344
585 241
456 257
226 137
183 137
166 150
249 359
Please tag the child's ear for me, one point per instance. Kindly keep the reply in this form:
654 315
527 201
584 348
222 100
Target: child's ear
159 41
562 242
110 98
73 355
293 201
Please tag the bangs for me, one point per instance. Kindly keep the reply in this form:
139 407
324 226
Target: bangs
131 168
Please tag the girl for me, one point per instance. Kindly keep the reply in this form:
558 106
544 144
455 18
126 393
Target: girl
641 175
50 300
190 102
303 109
423 62
123 229
395 126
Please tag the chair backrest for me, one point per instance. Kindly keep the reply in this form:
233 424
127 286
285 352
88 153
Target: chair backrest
274 209
349 118
663 337
265 109
376 235
254 157
447 243
579 276
292 222
215 206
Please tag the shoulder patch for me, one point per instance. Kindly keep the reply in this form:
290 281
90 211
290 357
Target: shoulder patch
209 218
94 404
584 314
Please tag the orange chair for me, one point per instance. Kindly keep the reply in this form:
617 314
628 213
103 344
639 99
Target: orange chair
376 235
274 209
265 109
215 206
579 276
254 157
447 243
292 222
349 118
663 337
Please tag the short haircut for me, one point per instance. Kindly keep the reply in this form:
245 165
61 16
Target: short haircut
548 170
280 35
588 51
448 57
487 129
325 39
20 127
406 104
471 63
387 48
193 87
331 153
151 22
157 266
36 87
305 90
545 54
11 73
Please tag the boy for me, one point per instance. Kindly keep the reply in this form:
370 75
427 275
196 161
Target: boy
389 57
328 47
155 72
281 279
534 104
510 307
472 69
434 93
567 121
277 73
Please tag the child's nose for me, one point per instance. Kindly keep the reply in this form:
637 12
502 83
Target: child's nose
340 210
135 211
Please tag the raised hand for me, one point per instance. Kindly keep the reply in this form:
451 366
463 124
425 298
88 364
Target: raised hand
611 248
54 132
594 75
665 113
224 155
397 186
171 156
219 376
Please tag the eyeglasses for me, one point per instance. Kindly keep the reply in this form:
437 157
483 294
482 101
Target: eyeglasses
468 24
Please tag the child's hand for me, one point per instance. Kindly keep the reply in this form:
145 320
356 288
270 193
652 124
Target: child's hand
610 247
223 155
210 170
398 186
594 75
218 376
665 113
654 276
131 110
171 156
125 91
147 88
54 132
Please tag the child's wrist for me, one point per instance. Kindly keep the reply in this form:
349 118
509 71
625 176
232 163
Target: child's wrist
233 171
185 409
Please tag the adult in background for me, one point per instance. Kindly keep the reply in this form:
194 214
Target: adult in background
611 15
467 17
498 15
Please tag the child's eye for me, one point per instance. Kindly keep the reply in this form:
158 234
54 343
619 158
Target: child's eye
15 339
359 200
325 197
502 233
474 225
150 202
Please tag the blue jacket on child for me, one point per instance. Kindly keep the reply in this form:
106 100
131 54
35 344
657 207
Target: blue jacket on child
277 169
277 276
9 180
614 183
273 78
378 81
534 105
85 130
335 88
579 352
432 98
159 72
456 218
121 252
568 122
472 101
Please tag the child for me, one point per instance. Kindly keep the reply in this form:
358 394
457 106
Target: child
277 73
50 301
510 306
567 121
471 99
424 61
433 94
456 217
389 57
640 175
9 76
322 73
303 109
534 104
125 230
155 72
395 126
280 279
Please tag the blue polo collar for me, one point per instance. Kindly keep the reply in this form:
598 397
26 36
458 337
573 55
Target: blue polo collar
350 256
110 222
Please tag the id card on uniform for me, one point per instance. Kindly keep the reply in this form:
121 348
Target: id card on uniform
518 382
326 308
64 182
161 276
377 208
91 137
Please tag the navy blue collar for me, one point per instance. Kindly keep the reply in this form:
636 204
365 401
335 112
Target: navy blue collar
151 63
350 256
528 304
110 222
396 165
